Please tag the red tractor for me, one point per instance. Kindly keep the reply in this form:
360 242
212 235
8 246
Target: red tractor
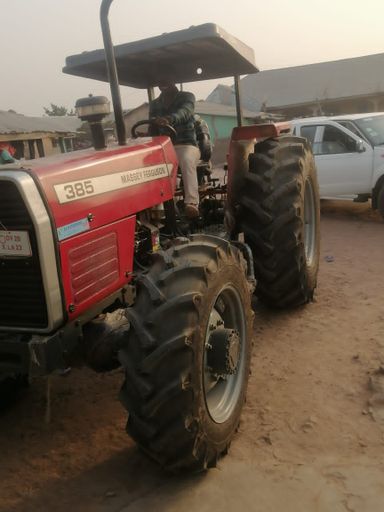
98 264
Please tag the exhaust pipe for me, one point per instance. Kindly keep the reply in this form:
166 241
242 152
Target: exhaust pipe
112 72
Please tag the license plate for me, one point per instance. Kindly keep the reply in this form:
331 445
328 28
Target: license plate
15 243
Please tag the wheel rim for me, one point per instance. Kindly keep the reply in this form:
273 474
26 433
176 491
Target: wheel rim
309 222
222 392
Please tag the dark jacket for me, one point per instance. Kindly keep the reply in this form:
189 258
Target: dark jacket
181 112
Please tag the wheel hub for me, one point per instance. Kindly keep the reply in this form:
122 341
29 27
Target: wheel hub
223 351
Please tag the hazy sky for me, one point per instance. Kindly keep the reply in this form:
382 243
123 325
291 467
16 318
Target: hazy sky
37 35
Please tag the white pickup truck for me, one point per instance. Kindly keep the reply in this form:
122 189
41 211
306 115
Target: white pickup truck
349 154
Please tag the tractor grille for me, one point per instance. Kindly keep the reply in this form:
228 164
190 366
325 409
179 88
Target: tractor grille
22 298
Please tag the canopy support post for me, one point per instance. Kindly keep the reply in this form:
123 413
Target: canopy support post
112 72
239 112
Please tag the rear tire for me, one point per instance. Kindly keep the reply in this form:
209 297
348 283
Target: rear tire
280 218
181 413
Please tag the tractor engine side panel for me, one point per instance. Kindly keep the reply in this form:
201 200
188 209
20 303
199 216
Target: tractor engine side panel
93 197
97 188
96 264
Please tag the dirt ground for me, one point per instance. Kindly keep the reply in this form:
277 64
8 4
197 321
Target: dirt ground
312 434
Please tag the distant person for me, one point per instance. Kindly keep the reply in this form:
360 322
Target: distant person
177 108
6 154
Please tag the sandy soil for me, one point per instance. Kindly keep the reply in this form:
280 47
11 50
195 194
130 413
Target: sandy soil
312 435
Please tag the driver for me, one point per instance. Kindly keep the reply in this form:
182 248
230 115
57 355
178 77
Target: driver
176 108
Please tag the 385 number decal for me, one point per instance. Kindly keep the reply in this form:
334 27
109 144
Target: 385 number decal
82 189
78 189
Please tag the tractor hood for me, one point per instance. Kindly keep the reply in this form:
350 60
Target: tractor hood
198 53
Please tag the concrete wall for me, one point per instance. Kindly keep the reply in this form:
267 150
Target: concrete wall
28 144
51 146
220 128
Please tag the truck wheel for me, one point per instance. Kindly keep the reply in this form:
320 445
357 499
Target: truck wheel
380 201
280 218
188 356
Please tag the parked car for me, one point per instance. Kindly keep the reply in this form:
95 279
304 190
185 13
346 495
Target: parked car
349 154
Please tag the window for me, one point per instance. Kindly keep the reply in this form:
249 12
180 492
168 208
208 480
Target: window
334 142
309 132
350 126
373 129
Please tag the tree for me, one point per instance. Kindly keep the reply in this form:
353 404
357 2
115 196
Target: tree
57 110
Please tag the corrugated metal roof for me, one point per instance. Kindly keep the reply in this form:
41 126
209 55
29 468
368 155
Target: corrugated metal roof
224 94
11 122
298 85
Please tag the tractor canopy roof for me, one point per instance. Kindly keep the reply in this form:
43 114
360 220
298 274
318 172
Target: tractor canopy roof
200 52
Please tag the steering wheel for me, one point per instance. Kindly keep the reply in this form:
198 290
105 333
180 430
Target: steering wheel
156 129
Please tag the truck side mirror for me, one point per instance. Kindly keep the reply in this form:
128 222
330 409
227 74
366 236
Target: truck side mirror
360 147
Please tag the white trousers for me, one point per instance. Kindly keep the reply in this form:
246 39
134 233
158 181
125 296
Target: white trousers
188 157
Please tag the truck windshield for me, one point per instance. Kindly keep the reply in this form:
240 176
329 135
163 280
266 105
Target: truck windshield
372 128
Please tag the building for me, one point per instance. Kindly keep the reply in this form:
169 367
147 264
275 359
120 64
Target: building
223 94
34 137
221 119
326 88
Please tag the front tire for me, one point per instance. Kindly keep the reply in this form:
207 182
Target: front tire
280 218
380 201
186 369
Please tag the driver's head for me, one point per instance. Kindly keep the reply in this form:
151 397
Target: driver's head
167 87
